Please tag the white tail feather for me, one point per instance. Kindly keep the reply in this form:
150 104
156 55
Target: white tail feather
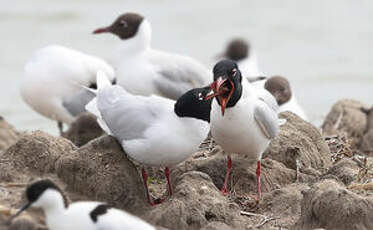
92 108
102 80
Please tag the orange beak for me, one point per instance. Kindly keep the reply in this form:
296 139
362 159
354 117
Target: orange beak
221 92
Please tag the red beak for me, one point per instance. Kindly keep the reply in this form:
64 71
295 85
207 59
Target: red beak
216 86
102 30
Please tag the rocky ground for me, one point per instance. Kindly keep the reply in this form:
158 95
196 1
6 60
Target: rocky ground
311 178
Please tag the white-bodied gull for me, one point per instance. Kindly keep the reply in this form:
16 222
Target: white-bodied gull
145 71
243 118
153 130
51 80
280 88
87 215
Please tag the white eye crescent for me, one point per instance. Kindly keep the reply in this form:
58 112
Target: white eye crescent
200 96
123 23
234 72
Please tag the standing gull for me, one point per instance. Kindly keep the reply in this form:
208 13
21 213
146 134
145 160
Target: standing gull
153 130
142 70
87 215
51 80
243 118
280 88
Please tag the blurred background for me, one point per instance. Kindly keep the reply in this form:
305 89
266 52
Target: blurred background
322 47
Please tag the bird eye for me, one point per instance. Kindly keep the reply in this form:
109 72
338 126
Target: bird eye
200 96
234 72
123 23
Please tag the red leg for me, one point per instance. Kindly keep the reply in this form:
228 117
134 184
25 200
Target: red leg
145 179
224 190
258 180
167 173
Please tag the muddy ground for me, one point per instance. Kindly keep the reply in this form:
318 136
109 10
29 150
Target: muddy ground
312 178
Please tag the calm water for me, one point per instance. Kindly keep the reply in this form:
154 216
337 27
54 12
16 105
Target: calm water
323 47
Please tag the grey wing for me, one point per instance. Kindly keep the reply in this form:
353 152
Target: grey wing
178 75
267 119
174 84
265 96
129 119
75 103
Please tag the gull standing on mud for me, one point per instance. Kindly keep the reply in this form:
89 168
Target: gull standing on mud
142 70
280 88
154 131
87 215
243 118
51 80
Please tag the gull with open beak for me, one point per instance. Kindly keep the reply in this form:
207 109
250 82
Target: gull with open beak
243 118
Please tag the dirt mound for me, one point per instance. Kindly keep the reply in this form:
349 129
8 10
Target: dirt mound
23 224
329 205
284 204
243 177
367 143
345 170
196 202
101 171
299 142
217 226
8 135
346 116
35 152
84 129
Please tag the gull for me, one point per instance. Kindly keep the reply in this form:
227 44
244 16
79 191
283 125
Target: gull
142 70
153 130
87 215
51 80
280 88
243 118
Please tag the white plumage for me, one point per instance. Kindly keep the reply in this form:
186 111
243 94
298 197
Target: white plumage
51 80
291 105
145 125
87 215
142 70
244 118
249 66
241 129
152 130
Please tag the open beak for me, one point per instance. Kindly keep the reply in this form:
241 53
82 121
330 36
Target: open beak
26 206
221 92
102 30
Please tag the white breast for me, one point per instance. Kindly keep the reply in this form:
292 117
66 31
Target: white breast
237 131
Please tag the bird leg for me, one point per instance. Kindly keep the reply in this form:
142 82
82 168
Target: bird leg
60 127
258 180
224 190
145 179
167 173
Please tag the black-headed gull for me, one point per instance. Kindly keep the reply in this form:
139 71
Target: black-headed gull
240 51
87 215
153 130
142 70
280 88
243 118
51 80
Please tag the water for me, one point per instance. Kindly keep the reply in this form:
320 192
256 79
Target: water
323 47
